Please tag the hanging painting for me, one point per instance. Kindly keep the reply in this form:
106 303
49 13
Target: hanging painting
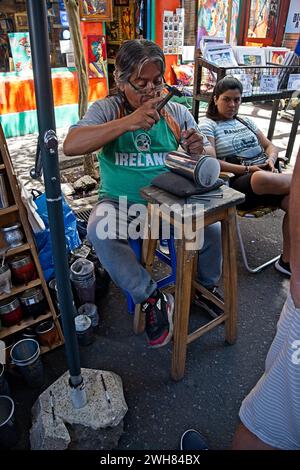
97 64
95 10
113 28
212 19
127 22
21 52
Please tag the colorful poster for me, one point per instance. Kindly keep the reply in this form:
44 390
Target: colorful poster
97 56
21 51
212 19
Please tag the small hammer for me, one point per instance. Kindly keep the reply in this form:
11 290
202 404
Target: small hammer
173 91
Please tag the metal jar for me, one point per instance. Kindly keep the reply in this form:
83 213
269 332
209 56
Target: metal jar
34 302
5 279
47 333
11 312
13 235
22 269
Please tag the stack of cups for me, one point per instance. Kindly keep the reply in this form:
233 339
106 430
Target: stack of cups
83 278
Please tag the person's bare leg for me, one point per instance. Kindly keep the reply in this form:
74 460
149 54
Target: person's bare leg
244 439
264 182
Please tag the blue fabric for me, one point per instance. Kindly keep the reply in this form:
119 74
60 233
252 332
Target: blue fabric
43 239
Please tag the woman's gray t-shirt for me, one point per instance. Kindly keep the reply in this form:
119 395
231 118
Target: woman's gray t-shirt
232 138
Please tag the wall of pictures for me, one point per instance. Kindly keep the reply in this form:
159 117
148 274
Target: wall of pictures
173 31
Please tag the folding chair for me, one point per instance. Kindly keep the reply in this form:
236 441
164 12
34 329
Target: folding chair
255 213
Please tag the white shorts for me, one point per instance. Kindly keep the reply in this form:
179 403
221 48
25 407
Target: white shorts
271 411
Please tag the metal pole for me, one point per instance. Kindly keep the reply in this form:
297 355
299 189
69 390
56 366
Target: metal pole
38 29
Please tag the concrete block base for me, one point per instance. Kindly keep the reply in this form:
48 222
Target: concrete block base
98 425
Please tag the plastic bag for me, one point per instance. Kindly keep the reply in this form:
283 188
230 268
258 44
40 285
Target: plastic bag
43 239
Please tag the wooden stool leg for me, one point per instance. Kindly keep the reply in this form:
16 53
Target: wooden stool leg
182 308
194 276
230 275
138 320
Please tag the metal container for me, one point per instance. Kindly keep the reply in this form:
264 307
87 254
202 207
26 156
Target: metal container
3 193
5 279
12 235
47 333
84 330
34 302
204 171
11 312
22 269
8 431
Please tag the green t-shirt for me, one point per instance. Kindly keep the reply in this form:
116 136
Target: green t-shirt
132 161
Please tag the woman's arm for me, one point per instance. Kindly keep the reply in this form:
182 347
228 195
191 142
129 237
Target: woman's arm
231 167
85 139
269 149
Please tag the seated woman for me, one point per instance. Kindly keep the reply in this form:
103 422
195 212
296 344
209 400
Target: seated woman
231 137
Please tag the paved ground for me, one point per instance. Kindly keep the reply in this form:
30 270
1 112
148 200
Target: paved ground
217 376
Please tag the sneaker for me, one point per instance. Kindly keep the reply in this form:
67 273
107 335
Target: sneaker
164 247
283 267
203 302
159 318
192 440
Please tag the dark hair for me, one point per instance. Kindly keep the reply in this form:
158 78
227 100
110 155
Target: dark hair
225 84
133 55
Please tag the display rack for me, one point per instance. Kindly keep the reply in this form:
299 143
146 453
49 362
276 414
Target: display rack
207 74
16 212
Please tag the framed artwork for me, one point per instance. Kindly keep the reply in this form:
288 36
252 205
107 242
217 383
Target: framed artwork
97 63
251 56
21 21
21 52
95 10
121 3
221 56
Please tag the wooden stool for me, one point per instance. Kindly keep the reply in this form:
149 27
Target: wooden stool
223 210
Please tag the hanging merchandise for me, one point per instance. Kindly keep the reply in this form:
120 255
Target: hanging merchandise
63 14
173 32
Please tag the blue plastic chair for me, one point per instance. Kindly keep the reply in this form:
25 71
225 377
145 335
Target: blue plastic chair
170 260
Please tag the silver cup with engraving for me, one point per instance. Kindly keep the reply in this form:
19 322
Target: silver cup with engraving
204 171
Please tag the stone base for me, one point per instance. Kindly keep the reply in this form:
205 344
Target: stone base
98 425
